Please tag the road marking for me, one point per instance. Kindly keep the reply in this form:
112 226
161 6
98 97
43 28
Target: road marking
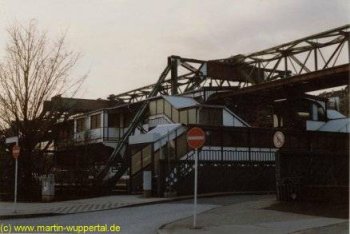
193 138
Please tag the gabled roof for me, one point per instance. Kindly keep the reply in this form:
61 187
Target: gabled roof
180 102
76 105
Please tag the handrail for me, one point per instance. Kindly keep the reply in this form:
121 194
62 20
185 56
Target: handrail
172 178
248 155
155 142
124 140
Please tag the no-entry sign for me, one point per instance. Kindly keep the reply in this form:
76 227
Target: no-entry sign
195 138
16 151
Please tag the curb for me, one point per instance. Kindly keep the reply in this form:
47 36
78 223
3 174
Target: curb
26 216
181 198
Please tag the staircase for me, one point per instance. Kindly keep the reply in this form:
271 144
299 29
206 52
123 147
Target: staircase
170 132
121 187
117 163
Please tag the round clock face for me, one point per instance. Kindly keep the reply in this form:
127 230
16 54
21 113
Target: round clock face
278 139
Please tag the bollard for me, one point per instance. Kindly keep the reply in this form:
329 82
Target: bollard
48 188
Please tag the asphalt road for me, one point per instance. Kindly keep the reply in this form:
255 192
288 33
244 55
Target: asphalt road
142 219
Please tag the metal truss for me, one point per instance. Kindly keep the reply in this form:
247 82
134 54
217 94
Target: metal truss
182 74
313 53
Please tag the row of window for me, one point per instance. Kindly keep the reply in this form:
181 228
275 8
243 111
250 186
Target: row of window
209 116
114 120
95 122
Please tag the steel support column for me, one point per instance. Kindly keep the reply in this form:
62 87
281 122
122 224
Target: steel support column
315 59
348 39
173 63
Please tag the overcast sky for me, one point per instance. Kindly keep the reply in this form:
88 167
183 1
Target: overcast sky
125 43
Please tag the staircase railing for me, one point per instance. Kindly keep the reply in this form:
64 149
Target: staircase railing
184 168
117 158
160 142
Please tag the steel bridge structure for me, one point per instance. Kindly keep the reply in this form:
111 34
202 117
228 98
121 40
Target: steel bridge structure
312 63
324 53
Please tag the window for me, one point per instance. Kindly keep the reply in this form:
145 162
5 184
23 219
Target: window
95 121
114 120
127 120
153 107
211 116
175 115
183 117
192 116
167 109
160 106
80 124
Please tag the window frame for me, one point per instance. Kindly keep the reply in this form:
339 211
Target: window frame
95 121
80 125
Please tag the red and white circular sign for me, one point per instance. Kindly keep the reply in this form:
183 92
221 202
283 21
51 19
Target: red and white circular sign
195 138
16 151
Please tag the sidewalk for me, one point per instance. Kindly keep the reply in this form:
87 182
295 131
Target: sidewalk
85 205
251 217
73 206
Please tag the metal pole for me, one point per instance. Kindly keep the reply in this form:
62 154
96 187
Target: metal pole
15 197
285 66
195 188
315 55
348 36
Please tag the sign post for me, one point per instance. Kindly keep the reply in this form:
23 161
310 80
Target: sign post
195 140
278 141
15 153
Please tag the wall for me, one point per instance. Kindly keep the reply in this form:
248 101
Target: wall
318 171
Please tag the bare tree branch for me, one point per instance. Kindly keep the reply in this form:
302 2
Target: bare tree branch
33 70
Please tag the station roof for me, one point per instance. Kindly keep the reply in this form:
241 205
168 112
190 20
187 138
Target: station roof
181 102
